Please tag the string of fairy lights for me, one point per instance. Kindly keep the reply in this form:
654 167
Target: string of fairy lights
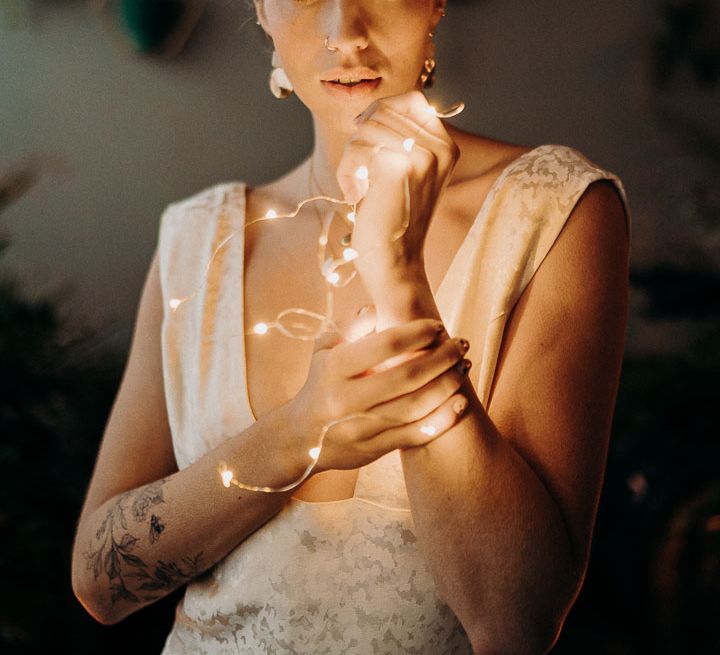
329 270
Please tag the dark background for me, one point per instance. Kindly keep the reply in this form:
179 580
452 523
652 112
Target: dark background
104 122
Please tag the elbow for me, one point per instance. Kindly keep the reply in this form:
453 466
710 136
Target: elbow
533 631
90 603
528 640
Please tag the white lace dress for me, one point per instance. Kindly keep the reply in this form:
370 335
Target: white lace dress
344 576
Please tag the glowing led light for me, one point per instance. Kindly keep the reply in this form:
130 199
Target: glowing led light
175 303
260 328
428 429
271 213
314 452
350 254
333 278
323 239
408 144
351 217
227 477
431 110
362 173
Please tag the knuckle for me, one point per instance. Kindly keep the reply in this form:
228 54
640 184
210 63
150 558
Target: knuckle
454 151
396 343
410 370
430 161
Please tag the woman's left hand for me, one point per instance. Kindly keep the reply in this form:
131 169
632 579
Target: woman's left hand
403 185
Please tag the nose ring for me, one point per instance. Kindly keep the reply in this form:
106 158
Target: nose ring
328 47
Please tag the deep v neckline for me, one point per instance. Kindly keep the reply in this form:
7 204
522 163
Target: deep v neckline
454 262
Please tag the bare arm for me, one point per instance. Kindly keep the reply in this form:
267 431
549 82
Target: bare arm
142 544
147 528
504 503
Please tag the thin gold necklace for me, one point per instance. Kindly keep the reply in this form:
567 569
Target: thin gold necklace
312 179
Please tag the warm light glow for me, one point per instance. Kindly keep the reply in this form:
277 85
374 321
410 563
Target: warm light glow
350 254
314 452
351 217
271 213
431 110
428 429
362 173
408 144
175 303
333 278
227 477
260 328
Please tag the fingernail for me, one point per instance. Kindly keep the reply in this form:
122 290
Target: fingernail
464 366
462 345
459 405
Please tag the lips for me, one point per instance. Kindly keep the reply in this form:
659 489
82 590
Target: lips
351 89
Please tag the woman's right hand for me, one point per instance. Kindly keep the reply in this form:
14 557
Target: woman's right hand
409 404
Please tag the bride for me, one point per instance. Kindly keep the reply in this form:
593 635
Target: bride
449 509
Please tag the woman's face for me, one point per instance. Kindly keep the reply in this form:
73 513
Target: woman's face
374 38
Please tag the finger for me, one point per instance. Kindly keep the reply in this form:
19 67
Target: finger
393 165
413 406
439 143
422 431
414 106
418 151
355 358
407 377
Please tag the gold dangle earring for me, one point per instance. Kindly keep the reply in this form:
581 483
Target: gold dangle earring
280 85
427 77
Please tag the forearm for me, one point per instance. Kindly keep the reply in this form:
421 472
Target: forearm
492 535
141 545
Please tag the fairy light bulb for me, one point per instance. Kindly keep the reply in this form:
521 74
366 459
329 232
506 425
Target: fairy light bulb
271 213
174 303
408 144
362 173
351 217
227 477
349 254
314 452
428 429
260 328
333 278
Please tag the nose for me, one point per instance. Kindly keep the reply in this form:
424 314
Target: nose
346 28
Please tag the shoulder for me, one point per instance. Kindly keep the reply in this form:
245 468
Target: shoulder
549 182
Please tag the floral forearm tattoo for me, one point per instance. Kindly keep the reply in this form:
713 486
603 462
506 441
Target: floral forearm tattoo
114 545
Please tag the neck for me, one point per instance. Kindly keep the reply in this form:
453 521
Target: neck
330 140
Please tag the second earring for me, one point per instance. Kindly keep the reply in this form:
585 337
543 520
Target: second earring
280 86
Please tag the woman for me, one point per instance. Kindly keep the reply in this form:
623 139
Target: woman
418 529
